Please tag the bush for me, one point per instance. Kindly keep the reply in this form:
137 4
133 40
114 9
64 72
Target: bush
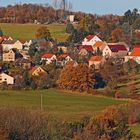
131 119
118 94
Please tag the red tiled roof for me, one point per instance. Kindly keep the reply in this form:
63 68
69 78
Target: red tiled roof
62 56
117 47
135 51
96 58
89 37
47 55
87 47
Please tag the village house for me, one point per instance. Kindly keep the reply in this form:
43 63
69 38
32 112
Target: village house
97 61
10 44
135 54
5 78
25 54
115 51
23 63
99 45
85 49
4 38
37 71
90 40
48 58
11 55
63 59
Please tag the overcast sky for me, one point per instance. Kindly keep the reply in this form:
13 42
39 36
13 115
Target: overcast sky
90 6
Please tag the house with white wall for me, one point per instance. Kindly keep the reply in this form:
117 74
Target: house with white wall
9 80
115 51
90 40
48 58
12 44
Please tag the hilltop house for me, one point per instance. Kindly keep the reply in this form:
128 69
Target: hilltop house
11 55
10 44
115 51
48 58
9 80
97 61
90 40
63 59
37 71
135 54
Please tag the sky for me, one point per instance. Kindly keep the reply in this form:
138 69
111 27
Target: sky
100 7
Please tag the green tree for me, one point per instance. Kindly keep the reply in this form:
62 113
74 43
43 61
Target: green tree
69 28
33 85
37 59
26 79
43 33
32 50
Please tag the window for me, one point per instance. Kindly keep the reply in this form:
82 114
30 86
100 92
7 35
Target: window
5 79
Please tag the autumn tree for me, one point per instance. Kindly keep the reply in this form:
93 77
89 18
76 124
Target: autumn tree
76 78
43 33
116 35
110 74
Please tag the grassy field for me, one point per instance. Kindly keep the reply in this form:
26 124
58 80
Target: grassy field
27 31
63 105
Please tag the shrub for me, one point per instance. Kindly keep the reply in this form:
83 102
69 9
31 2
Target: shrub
118 94
131 119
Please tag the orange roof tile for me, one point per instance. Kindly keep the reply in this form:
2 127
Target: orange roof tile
47 55
96 58
99 43
136 51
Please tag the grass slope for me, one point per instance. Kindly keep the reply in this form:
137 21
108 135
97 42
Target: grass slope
63 105
27 31
128 81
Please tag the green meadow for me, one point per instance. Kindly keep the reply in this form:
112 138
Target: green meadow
27 31
63 105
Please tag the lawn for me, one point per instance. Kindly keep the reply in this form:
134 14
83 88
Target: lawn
27 31
62 105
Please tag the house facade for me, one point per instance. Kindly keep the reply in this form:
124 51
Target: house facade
97 61
48 58
9 80
115 51
63 59
10 44
37 71
90 40
135 54
9 56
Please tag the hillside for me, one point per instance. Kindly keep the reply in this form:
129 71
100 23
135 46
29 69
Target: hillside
27 31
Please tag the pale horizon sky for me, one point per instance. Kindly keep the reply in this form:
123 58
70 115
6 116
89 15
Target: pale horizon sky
90 6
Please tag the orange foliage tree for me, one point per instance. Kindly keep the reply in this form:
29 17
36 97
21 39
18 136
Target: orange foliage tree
79 78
